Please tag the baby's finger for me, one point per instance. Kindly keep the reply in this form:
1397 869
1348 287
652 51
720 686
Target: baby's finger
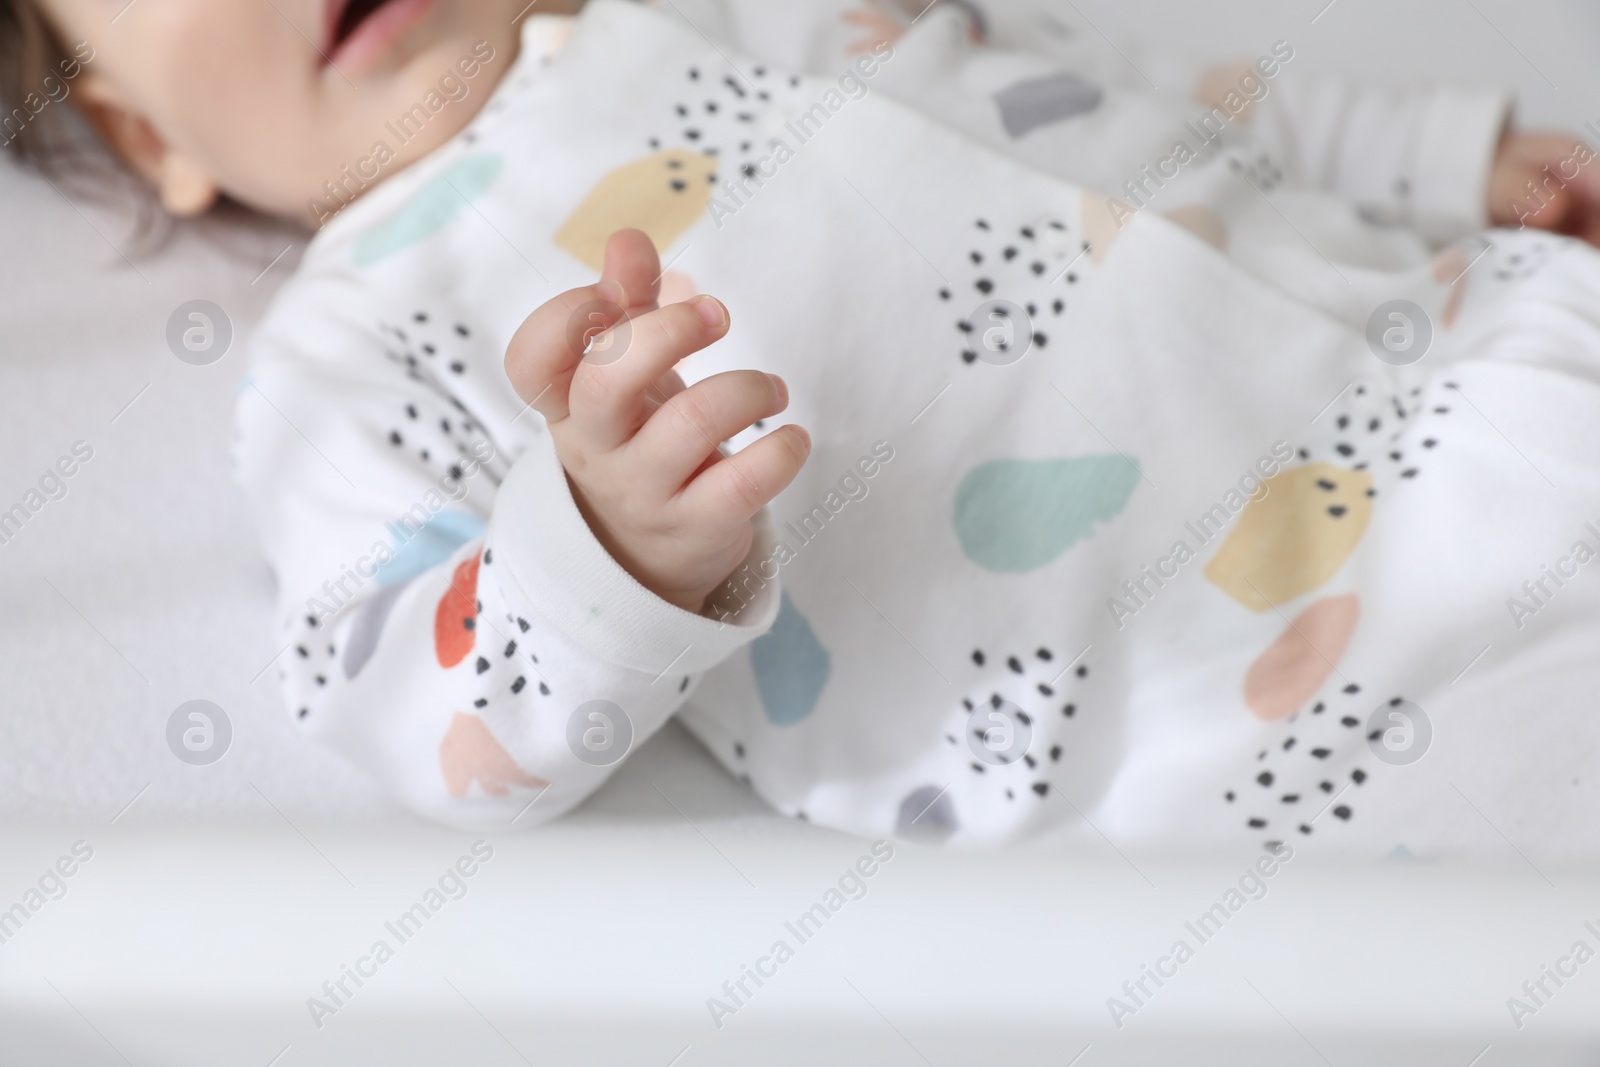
633 263
608 397
675 441
665 388
737 487
550 343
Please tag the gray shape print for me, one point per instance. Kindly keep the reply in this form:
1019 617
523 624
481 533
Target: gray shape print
369 627
927 814
1036 102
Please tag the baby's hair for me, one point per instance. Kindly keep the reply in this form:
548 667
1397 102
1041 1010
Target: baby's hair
30 52
35 62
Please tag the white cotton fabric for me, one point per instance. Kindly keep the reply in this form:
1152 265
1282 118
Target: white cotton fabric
845 691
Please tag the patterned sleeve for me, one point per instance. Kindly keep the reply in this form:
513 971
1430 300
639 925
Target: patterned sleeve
1417 158
448 621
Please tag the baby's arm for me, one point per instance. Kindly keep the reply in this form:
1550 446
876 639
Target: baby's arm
491 677
1441 159
1419 158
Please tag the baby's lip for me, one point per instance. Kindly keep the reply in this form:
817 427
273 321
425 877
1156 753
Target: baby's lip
332 12
376 31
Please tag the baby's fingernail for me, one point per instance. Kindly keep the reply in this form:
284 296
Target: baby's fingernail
782 387
612 293
710 311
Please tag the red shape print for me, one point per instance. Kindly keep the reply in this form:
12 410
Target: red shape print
457 618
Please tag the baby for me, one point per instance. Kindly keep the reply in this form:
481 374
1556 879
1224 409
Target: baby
1169 458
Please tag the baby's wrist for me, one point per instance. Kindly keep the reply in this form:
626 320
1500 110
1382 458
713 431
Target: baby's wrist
691 598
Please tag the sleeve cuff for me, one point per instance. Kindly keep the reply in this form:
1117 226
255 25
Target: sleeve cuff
546 557
1455 149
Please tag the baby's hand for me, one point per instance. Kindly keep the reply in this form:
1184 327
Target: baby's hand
640 450
1565 174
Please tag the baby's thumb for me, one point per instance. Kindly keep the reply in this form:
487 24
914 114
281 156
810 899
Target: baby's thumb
632 262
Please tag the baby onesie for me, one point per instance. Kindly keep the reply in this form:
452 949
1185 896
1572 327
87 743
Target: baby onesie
1131 510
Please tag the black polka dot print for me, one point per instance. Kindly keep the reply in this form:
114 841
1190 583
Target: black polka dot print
1037 687
1392 437
1258 169
434 427
1519 262
719 114
1310 769
1034 266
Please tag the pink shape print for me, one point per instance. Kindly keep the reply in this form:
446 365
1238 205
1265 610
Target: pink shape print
469 753
1450 268
1294 666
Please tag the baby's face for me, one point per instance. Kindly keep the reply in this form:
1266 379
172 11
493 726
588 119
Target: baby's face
267 100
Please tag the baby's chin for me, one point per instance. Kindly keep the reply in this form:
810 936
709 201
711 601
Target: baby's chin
397 118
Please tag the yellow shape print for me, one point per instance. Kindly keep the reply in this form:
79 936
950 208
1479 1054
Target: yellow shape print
663 195
1295 538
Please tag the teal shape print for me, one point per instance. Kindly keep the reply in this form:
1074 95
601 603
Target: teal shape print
1016 515
430 210
419 549
791 666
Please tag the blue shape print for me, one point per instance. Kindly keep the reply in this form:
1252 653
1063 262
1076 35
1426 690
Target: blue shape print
433 208
791 666
417 550
1016 515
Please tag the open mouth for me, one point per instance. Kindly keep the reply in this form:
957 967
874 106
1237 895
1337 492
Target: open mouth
346 16
360 28
354 14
